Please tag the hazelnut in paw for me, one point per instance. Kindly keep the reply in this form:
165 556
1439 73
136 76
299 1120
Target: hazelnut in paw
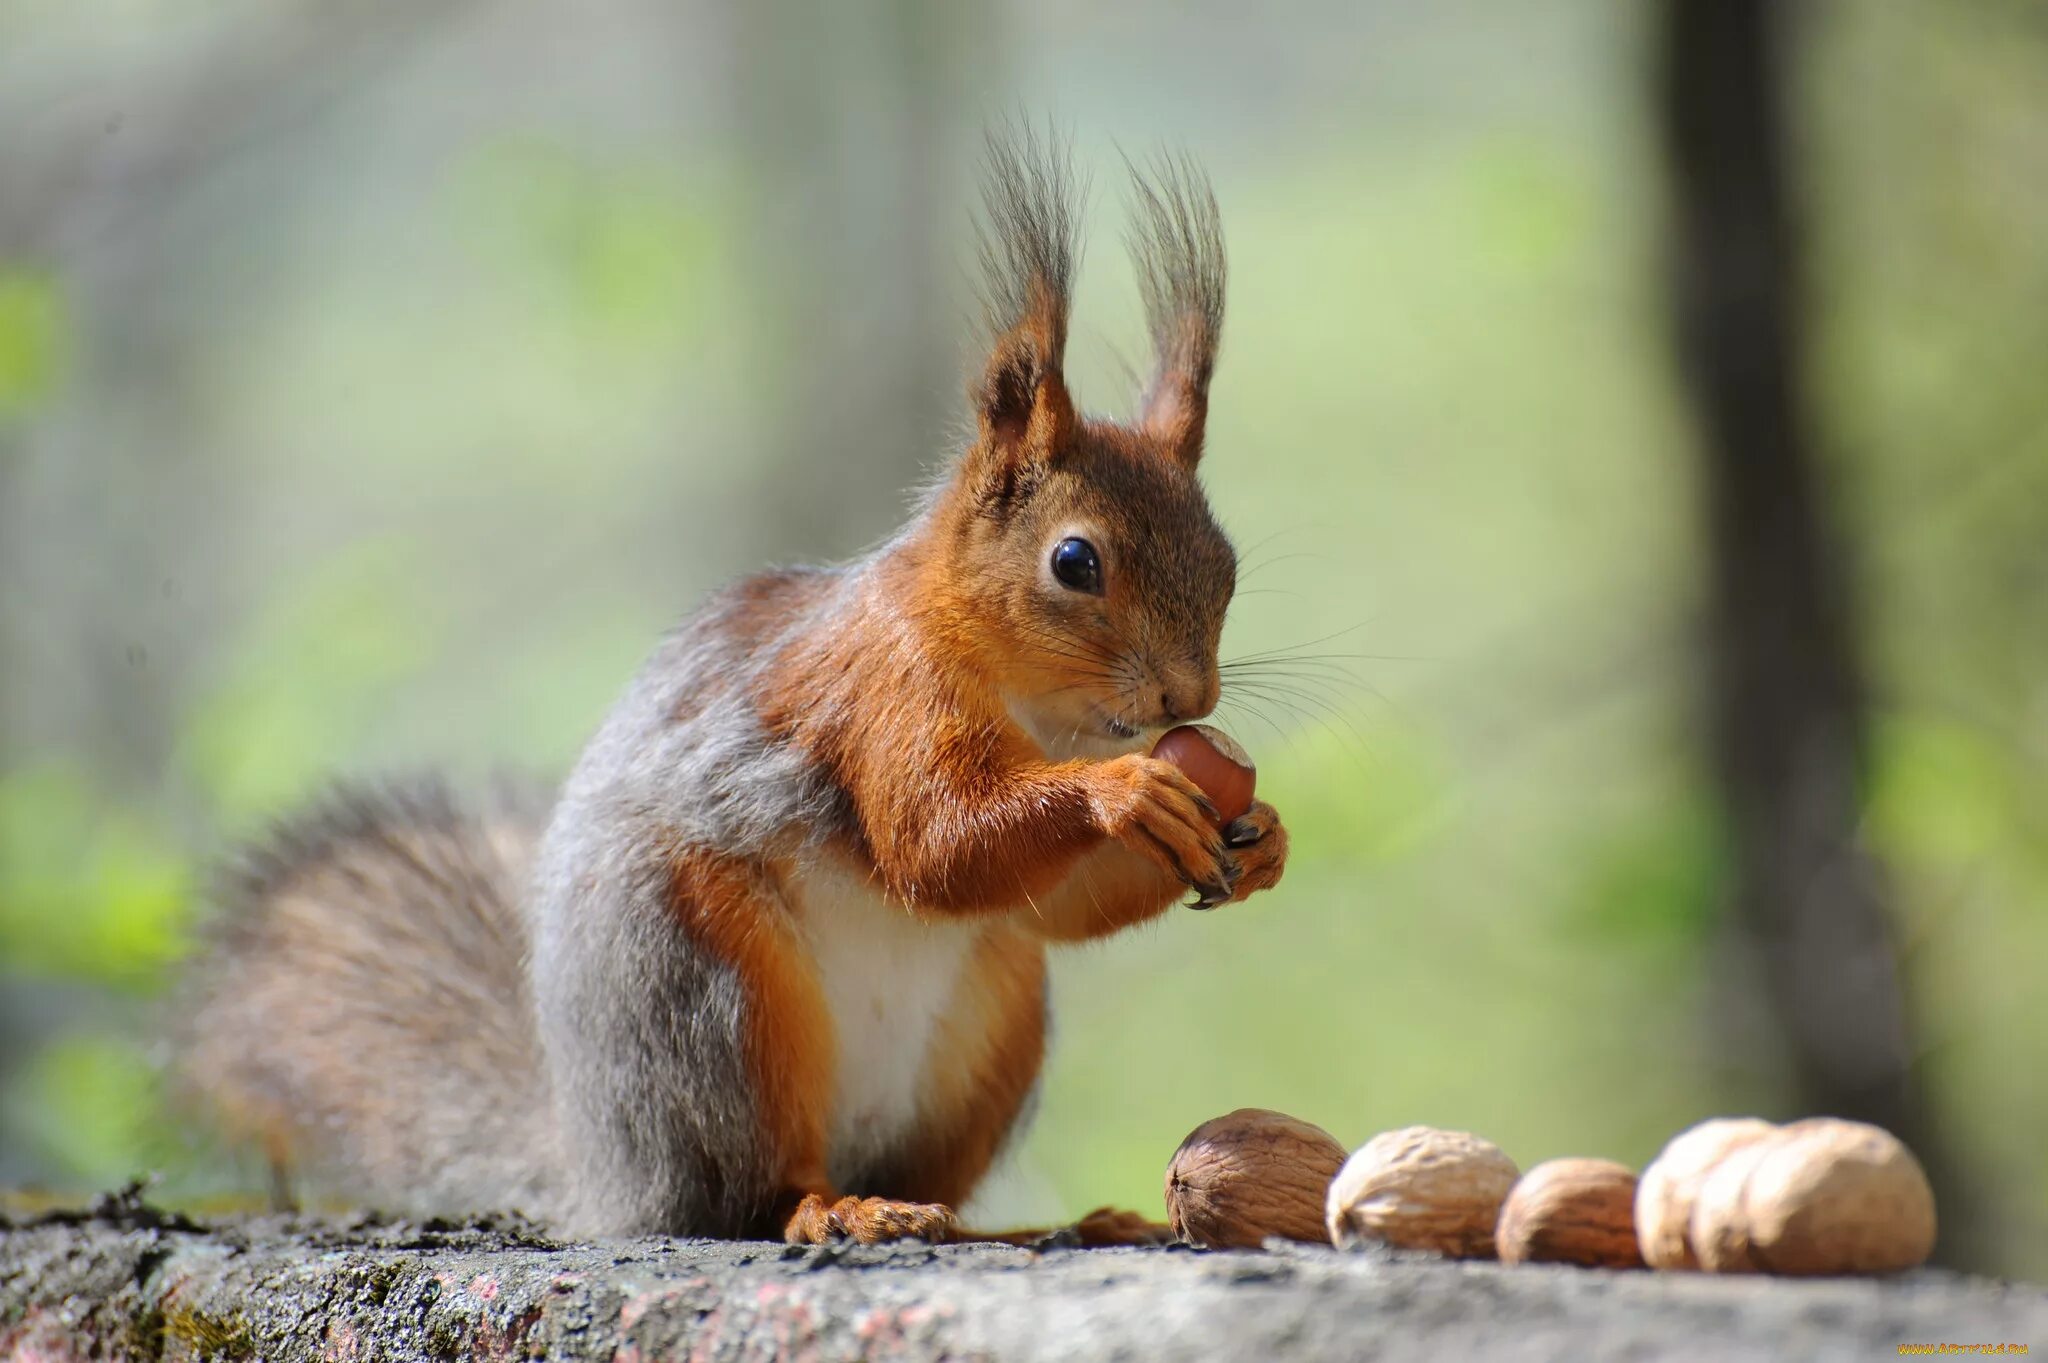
1225 772
1214 761
1155 809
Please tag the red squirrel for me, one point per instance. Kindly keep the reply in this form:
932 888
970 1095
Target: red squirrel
773 964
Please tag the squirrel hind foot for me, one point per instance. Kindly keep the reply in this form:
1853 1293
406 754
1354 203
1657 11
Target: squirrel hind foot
1113 1226
1103 1228
867 1221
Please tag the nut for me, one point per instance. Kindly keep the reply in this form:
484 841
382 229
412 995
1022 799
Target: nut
1671 1185
1571 1211
1719 1228
1832 1196
1421 1188
1816 1197
1214 761
1247 1175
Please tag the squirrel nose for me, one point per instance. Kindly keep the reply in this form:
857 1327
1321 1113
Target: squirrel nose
1187 699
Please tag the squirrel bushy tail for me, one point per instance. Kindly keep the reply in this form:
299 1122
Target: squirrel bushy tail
363 1005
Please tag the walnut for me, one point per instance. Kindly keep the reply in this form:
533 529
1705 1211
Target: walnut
1250 1174
1816 1197
1421 1188
1719 1228
1671 1185
1831 1196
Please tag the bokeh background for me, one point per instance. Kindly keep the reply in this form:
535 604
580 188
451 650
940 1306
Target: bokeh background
378 379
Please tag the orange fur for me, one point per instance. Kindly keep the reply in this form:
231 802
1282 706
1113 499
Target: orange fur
735 913
1110 889
818 1219
955 809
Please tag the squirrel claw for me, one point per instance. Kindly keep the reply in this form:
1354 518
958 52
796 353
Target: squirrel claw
1260 852
1208 896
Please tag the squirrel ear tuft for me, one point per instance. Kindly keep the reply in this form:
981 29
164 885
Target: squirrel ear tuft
1028 249
1176 242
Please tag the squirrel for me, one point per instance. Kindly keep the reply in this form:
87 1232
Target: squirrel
773 964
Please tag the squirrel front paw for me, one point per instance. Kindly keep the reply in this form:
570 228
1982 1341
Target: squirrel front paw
1259 843
869 1220
1153 808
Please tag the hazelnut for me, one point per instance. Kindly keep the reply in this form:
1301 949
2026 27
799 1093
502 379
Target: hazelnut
1421 1188
1571 1211
1247 1175
1830 1196
1671 1185
1214 761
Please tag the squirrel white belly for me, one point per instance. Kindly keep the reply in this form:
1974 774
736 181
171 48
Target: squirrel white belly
897 986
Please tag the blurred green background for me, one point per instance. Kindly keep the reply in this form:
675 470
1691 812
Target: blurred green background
378 380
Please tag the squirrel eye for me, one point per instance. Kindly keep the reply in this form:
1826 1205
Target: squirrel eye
1075 564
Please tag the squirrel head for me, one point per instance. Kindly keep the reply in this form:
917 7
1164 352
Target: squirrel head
1087 572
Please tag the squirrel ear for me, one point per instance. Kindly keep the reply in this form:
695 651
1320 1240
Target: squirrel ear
1176 241
1021 399
1027 259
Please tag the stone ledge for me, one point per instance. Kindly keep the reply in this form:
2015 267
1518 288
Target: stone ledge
127 1282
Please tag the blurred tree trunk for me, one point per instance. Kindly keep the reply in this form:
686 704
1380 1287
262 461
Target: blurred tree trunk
1809 901
848 116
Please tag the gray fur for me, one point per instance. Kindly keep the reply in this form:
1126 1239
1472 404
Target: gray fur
1029 234
644 1033
392 980
361 998
1176 242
